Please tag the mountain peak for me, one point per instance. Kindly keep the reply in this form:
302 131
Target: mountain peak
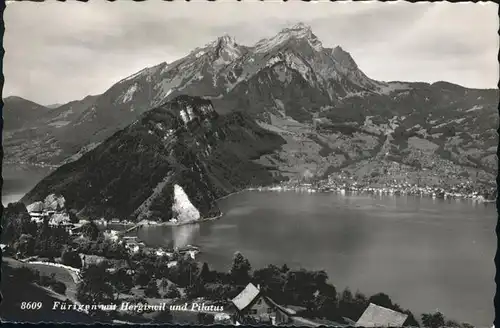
343 58
14 98
226 48
297 31
226 39
300 26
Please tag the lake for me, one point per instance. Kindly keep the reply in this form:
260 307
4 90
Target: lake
425 254
19 179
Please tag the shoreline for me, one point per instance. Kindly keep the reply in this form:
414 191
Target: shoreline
373 191
173 224
233 193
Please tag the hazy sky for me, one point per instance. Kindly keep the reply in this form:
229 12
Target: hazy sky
57 52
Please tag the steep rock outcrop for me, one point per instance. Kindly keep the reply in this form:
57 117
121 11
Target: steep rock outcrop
183 144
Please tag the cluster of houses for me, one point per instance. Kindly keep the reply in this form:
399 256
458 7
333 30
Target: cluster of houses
253 307
55 218
133 245
52 208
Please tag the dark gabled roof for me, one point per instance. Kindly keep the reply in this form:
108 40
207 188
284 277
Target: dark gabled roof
288 311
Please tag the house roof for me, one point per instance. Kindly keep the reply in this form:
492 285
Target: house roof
247 295
378 316
286 310
300 321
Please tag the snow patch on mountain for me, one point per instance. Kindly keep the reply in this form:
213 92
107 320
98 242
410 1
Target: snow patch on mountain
59 124
273 60
297 64
279 103
127 96
476 107
182 208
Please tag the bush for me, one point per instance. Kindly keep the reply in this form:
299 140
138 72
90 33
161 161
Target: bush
59 287
152 289
44 281
71 258
205 318
172 292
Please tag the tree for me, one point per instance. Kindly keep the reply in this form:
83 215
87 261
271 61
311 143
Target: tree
346 305
185 273
95 286
141 276
164 283
240 269
382 299
91 230
452 323
73 218
272 280
433 320
172 292
71 258
196 289
16 221
326 302
26 245
151 289
360 303
121 281
411 321
205 273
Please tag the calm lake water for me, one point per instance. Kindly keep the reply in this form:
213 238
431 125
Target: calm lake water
426 254
19 179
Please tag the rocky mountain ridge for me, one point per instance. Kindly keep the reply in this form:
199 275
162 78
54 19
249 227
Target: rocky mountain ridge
183 144
211 71
332 115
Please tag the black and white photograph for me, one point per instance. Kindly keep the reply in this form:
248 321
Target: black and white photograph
250 163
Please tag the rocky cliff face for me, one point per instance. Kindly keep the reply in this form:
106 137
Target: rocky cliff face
182 208
177 154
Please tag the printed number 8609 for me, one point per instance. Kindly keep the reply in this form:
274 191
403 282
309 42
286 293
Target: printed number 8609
31 305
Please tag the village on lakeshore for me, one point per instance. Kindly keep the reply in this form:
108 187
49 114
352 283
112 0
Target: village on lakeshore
343 183
83 261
